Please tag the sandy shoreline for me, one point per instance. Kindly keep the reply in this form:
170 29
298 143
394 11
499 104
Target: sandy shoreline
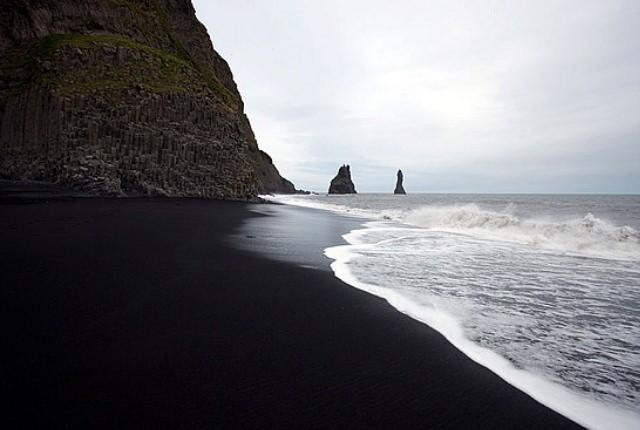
140 313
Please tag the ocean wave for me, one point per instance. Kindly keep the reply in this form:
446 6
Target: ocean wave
588 235
370 263
487 281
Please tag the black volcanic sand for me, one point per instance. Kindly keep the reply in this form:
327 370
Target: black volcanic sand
138 313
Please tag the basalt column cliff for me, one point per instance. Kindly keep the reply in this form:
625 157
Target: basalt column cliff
123 97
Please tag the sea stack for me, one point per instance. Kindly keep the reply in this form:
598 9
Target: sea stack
342 183
124 98
399 188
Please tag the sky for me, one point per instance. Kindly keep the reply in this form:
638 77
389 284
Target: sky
463 96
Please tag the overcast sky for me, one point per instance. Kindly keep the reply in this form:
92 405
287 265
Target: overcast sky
463 96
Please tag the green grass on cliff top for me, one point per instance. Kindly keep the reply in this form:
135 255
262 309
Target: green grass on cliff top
164 73
50 44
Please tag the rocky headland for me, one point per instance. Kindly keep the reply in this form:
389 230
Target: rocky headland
342 183
122 97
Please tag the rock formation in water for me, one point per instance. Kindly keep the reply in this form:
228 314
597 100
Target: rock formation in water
342 183
123 97
399 188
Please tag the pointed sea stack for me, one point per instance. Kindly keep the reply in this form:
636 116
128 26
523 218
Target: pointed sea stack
399 188
342 183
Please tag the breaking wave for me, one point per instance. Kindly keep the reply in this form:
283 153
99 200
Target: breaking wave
588 235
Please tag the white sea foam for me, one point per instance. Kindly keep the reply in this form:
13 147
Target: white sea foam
587 235
343 209
513 286
583 410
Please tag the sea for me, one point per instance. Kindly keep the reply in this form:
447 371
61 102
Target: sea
544 290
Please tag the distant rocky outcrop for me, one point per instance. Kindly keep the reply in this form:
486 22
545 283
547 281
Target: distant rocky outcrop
123 97
399 188
342 183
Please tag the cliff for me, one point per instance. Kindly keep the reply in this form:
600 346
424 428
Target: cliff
342 183
123 97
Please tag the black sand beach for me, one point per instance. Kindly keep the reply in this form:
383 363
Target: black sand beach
140 314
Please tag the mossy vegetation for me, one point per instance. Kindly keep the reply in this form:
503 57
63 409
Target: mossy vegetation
207 74
168 70
165 77
153 69
156 16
